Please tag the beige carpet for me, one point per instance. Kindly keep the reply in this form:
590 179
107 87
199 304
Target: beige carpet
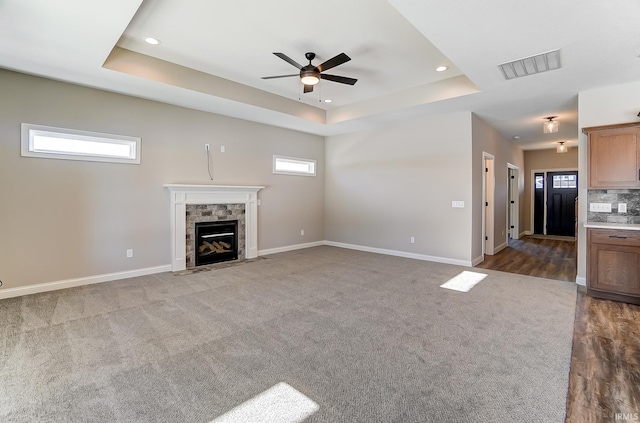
366 337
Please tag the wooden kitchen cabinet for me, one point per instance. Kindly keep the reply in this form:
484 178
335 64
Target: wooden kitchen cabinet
614 156
613 264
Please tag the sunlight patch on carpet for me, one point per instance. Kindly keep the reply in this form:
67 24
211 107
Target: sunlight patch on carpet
279 404
464 281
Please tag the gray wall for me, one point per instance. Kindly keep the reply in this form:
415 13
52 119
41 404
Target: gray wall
486 139
387 185
63 219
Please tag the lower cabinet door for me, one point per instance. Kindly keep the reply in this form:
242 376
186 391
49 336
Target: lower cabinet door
614 268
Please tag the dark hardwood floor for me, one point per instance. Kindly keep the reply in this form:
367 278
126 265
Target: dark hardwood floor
604 380
549 258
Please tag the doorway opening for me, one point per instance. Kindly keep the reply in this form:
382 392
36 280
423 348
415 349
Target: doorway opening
553 204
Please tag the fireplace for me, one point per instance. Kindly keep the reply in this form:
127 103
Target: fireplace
216 242
206 203
210 220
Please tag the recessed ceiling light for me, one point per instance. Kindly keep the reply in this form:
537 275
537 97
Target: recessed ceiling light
516 137
152 41
442 68
328 100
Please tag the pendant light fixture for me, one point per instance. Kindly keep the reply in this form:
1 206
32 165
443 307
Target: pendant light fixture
551 125
561 148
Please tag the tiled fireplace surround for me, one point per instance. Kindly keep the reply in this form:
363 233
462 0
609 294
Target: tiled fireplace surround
197 213
212 203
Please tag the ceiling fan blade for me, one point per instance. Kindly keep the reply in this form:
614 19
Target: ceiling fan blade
308 88
340 79
333 62
280 76
288 60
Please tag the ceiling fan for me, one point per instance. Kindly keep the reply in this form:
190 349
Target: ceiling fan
310 75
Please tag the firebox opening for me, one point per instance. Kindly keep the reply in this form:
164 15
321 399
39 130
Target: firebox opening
216 242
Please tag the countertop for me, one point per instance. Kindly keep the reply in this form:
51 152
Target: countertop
606 225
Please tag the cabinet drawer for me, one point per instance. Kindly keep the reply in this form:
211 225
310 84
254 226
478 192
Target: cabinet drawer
614 237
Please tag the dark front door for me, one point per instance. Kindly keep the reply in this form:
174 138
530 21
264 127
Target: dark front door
562 190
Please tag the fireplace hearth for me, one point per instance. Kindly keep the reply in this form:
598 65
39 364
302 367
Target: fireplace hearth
216 242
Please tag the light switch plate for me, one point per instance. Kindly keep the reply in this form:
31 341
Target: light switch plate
622 207
457 204
600 207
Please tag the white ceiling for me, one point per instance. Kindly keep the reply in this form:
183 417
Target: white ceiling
213 53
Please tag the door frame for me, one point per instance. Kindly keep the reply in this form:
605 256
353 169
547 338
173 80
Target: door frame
513 194
533 191
488 200
566 216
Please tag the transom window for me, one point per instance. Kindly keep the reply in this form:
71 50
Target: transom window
294 166
71 144
564 181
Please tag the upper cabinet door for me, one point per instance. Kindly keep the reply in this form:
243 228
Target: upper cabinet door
614 157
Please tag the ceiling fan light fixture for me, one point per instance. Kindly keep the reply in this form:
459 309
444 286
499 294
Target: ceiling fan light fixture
561 148
550 126
309 77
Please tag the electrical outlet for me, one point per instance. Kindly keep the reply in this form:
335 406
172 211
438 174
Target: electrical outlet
222 149
129 253
600 207
206 147
301 232
622 207
412 240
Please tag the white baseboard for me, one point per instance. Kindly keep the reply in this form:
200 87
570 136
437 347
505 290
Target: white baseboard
71 283
500 247
290 248
525 233
399 253
581 280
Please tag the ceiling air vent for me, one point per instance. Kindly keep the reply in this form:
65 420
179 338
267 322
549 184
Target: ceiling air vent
531 65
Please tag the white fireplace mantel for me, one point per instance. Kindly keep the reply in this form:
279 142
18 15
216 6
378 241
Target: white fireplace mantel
181 195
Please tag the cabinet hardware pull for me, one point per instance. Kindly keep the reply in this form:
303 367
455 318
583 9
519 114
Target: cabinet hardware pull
617 236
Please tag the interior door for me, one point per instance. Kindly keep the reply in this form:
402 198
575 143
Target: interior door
514 203
562 190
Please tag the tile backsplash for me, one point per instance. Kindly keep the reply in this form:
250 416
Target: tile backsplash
615 196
